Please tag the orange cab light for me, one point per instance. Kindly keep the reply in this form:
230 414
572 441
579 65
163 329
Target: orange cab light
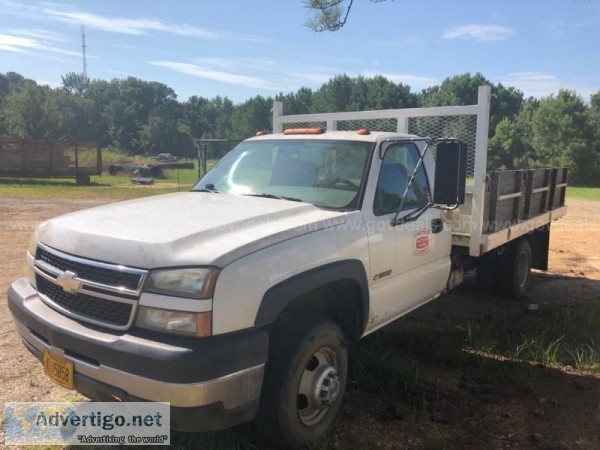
260 133
363 132
303 131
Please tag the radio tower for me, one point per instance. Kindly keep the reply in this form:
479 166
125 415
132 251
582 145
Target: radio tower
83 47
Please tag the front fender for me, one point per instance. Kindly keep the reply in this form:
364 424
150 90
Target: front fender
280 296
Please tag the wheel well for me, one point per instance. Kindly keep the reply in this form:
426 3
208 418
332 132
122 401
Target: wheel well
540 245
339 301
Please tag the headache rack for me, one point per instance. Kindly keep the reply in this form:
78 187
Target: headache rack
499 206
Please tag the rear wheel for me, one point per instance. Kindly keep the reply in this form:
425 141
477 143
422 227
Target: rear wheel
304 384
515 269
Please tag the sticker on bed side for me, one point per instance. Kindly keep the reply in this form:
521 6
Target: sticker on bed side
421 245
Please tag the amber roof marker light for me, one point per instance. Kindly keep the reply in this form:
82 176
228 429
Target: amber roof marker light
303 131
363 132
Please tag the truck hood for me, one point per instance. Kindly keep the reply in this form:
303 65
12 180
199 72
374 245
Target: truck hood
191 228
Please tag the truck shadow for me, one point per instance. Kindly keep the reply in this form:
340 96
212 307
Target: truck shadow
470 370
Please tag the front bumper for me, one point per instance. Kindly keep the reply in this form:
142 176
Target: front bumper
211 383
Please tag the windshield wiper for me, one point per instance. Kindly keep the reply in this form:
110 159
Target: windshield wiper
208 188
278 197
411 216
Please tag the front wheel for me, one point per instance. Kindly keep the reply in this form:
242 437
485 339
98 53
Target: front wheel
304 383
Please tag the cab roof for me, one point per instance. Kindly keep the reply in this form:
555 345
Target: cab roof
373 136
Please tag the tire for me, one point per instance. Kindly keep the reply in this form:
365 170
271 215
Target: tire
304 383
515 269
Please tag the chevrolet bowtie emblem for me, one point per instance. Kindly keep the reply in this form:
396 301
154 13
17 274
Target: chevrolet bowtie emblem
68 282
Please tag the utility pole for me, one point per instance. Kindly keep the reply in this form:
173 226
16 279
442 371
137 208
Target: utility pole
83 47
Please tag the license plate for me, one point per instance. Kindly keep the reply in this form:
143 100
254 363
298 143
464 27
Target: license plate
60 370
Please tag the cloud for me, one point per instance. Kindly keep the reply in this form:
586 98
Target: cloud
542 84
563 26
117 24
21 44
282 77
133 26
480 32
217 75
36 33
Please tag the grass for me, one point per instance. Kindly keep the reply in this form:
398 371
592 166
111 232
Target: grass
105 186
490 350
437 439
102 187
578 319
582 193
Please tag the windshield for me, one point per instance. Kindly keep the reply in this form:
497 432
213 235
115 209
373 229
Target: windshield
328 174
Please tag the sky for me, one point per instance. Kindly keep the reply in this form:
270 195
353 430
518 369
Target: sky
244 48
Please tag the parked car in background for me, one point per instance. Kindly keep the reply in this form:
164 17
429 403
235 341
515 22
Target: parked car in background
166 157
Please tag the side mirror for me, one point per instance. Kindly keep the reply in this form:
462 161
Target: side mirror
450 173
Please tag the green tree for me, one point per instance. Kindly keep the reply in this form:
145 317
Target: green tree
165 132
75 117
28 112
463 89
385 94
563 136
299 102
594 119
329 15
251 116
333 96
75 83
511 147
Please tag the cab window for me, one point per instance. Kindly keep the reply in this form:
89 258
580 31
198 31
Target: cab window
398 164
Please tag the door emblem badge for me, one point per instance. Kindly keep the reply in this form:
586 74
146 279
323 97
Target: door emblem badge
421 242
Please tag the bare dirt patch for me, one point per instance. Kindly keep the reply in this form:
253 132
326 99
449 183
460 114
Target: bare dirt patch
456 405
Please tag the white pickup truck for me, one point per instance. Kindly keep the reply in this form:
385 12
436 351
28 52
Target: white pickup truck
239 298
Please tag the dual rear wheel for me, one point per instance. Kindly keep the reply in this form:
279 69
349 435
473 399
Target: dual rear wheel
508 273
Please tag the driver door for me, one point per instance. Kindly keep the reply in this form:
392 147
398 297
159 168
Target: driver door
409 263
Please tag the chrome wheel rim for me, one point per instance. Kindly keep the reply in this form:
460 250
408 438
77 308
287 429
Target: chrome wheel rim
319 386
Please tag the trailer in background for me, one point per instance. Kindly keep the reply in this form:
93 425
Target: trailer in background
50 159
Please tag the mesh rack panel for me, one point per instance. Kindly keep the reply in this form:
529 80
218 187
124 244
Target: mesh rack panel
390 125
460 127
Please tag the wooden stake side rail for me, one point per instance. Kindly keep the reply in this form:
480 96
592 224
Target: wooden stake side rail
515 195
517 202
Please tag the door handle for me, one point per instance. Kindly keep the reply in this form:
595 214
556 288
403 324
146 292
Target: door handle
437 226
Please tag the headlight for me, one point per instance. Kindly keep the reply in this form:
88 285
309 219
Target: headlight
179 322
191 283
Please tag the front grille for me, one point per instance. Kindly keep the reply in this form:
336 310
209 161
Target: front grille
90 272
88 307
90 291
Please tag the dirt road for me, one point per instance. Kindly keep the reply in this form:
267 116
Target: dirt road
498 418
